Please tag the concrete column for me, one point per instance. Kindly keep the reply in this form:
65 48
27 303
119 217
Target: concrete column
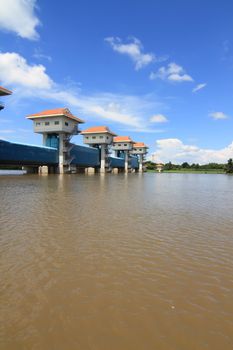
44 139
43 170
61 153
102 159
126 161
90 170
140 163
115 170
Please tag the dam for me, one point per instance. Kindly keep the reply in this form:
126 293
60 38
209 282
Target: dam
103 150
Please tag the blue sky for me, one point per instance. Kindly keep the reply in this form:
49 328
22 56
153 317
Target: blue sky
160 71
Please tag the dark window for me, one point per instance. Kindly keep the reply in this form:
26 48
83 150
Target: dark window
47 123
87 137
37 123
107 137
94 137
101 137
67 124
140 149
125 144
119 144
56 122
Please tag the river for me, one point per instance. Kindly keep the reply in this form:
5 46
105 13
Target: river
116 262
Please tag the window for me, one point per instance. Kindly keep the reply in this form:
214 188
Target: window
94 137
119 144
101 137
37 123
87 137
140 149
134 149
47 123
107 137
67 124
56 122
125 144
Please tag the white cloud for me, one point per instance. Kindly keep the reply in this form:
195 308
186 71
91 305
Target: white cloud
218 115
173 73
5 121
199 87
40 55
158 118
177 152
19 16
7 131
14 69
29 80
134 49
146 130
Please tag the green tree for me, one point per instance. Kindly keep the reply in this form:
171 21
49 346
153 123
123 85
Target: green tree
229 167
185 165
150 165
168 166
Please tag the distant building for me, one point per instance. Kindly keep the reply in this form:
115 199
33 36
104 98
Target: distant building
159 167
57 127
140 149
123 144
4 92
100 137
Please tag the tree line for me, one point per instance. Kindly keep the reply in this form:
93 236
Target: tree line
227 167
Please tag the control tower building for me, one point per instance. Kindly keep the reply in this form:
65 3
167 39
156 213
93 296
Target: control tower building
3 92
140 149
123 144
57 127
100 137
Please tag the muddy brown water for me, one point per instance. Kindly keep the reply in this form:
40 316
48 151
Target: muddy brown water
116 262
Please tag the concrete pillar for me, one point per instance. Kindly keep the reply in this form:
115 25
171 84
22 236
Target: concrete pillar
43 170
102 159
115 170
126 161
61 153
140 163
90 170
44 139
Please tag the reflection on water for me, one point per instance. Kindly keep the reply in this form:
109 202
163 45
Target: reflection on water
12 172
116 262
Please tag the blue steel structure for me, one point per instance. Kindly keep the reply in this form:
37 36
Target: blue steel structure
134 162
116 162
85 156
23 154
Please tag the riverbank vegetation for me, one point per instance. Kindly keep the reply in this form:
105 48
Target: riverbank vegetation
211 168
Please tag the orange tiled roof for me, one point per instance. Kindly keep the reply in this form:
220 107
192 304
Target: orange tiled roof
122 139
139 144
98 130
4 91
58 112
